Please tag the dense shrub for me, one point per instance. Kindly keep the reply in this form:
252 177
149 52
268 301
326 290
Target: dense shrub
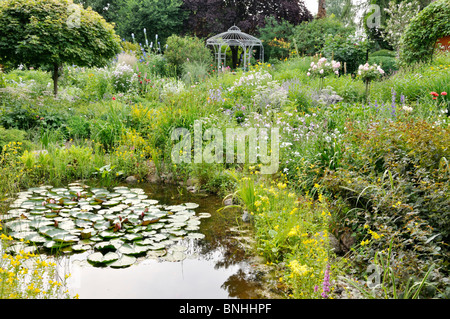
419 40
276 37
346 50
396 179
186 49
14 136
310 36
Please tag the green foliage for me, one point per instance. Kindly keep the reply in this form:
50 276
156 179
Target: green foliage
388 64
345 50
186 49
310 36
14 136
160 19
194 72
275 36
2 79
38 32
384 52
418 42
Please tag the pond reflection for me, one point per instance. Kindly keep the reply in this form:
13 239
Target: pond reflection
216 266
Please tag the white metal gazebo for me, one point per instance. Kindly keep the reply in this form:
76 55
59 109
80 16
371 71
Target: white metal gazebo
235 37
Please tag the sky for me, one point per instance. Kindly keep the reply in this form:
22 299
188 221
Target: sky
311 5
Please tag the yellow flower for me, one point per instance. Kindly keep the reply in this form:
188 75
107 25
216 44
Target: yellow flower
297 268
365 242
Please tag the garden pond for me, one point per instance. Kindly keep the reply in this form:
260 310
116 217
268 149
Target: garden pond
140 241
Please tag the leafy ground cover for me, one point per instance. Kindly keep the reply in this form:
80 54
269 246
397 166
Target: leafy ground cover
359 205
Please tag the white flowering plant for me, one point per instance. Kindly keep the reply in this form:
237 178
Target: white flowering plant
123 77
324 68
369 72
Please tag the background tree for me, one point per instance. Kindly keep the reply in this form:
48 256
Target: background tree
344 10
209 17
108 9
158 17
53 32
321 10
310 36
400 15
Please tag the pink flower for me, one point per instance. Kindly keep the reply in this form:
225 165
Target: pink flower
444 93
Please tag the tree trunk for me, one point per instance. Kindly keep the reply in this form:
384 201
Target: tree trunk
55 78
321 12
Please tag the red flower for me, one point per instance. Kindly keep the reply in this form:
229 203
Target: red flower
434 94
434 98
443 93
114 98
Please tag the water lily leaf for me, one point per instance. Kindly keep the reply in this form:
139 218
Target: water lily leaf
144 242
111 245
36 238
65 238
19 225
156 226
111 203
175 208
150 219
191 205
174 256
21 248
132 237
192 228
83 223
88 233
98 258
21 235
150 201
159 237
80 247
107 234
156 253
123 262
157 246
130 250
204 215
195 235
51 232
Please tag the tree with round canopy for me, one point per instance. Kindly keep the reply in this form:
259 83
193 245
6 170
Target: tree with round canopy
53 32
233 39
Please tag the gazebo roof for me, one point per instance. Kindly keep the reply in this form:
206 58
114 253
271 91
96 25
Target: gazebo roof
234 36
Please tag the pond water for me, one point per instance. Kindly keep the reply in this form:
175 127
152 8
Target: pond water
220 265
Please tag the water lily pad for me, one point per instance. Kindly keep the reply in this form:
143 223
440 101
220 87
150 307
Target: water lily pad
157 246
132 237
36 238
98 258
107 234
123 262
132 250
80 247
174 256
191 205
111 245
195 235
65 238
21 248
88 233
